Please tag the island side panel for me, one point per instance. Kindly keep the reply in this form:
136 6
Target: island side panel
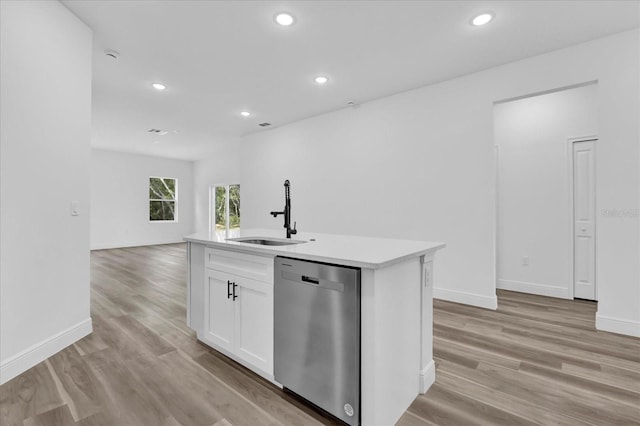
391 341
367 352
195 290
428 367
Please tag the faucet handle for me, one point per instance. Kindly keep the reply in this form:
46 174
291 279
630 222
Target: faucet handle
294 230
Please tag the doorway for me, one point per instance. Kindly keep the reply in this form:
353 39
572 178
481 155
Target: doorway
546 193
224 210
584 218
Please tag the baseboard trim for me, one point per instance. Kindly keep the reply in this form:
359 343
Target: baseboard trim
534 288
617 325
138 244
37 353
463 297
427 377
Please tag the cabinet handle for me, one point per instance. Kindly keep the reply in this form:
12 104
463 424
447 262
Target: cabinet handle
228 289
235 296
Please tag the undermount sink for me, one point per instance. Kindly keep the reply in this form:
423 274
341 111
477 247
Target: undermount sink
266 241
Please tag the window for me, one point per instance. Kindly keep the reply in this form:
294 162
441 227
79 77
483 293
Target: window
163 199
225 206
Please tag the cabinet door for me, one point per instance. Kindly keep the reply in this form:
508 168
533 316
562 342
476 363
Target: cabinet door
254 323
219 312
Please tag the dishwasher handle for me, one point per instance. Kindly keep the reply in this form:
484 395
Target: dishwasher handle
311 280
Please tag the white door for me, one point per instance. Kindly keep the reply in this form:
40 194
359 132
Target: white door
219 321
584 211
254 323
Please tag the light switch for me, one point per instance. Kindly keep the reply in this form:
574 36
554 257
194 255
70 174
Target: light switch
74 208
525 260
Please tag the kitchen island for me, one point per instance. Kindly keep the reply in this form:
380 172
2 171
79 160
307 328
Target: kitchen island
230 306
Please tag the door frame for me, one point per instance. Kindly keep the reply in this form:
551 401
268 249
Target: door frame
571 201
212 202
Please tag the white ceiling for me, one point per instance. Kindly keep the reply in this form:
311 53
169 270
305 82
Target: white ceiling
218 58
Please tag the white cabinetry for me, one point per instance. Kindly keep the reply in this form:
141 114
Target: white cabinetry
396 294
219 309
238 311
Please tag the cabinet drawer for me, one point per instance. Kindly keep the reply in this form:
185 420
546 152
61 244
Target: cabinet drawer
246 265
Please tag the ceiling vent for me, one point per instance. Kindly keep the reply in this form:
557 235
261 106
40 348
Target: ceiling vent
265 124
112 54
157 132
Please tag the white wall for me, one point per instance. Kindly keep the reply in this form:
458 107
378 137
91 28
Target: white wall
409 166
222 167
120 200
45 116
432 148
534 214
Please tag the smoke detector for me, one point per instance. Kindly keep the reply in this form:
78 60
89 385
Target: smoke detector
112 54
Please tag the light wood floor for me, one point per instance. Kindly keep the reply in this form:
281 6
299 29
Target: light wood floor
535 360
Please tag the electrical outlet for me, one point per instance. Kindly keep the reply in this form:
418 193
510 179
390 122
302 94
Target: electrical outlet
525 260
428 274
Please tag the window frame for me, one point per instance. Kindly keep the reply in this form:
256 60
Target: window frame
212 208
175 200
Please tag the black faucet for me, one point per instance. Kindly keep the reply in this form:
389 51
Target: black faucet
287 211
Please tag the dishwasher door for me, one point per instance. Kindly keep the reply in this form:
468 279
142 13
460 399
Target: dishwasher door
317 334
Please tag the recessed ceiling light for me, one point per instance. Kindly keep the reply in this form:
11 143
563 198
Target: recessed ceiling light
482 19
321 79
245 113
159 86
285 19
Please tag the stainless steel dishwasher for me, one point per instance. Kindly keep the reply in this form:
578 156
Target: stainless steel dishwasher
317 334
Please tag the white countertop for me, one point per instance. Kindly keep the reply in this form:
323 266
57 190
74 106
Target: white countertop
362 252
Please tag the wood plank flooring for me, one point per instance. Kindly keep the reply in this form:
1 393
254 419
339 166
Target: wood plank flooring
534 361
